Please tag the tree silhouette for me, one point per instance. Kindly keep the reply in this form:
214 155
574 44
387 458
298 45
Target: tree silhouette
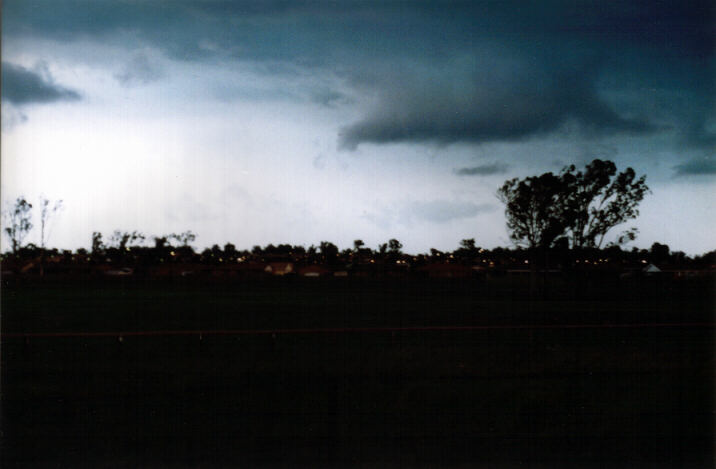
329 251
394 246
580 205
18 222
659 253
122 240
597 199
468 244
534 214
183 238
230 252
160 242
467 251
97 244
46 212
435 254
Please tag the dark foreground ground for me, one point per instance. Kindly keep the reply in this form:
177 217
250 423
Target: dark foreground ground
640 396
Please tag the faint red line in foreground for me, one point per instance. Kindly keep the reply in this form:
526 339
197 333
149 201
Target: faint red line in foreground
345 330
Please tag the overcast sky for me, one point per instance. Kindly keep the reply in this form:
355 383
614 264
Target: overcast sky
272 121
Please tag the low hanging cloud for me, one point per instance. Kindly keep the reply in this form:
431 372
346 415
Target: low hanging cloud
139 71
438 211
442 211
696 167
12 116
699 134
483 170
21 86
495 102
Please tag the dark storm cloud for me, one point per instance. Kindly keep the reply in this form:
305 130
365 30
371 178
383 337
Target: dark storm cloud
369 44
483 170
22 86
699 136
497 101
683 27
328 97
696 167
698 116
280 28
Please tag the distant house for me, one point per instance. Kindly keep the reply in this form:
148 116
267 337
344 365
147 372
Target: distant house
682 273
651 269
187 269
30 266
279 268
399 268
313 271
246 270
121 272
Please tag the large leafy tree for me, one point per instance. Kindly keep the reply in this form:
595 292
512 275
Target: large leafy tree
534 214
576 206
598 199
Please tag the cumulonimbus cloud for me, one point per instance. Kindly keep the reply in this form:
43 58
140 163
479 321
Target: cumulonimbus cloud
21 86
486 104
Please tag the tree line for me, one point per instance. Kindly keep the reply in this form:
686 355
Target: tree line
564 217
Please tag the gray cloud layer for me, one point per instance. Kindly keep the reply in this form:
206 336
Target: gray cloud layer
139 71
685 27
696 167
527 77
494 100
442 211
483 170
22 86
439 211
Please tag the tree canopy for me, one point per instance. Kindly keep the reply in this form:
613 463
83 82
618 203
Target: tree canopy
578 207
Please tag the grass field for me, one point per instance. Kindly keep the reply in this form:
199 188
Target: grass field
637 396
